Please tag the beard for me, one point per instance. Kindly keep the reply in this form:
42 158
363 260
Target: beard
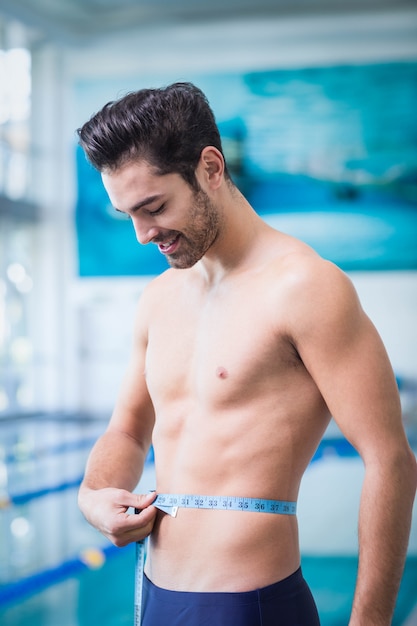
198 237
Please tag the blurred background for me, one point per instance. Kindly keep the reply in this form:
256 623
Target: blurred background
316 102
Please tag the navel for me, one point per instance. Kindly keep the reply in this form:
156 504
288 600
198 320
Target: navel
221 372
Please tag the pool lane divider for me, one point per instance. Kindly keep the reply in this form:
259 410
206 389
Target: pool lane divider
36 454
13 592
19 499
59 449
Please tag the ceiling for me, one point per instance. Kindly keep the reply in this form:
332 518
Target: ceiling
71 21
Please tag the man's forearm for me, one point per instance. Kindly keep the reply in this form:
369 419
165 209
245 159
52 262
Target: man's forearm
116 460
384 527
106 493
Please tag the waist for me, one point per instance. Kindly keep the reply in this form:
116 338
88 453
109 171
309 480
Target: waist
269 542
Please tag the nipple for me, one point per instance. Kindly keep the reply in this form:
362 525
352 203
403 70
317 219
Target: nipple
221 372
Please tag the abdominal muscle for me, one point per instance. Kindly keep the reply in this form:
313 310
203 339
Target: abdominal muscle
229 551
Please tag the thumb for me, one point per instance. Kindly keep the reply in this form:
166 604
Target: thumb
144 500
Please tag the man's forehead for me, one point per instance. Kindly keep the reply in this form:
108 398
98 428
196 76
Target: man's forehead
136 184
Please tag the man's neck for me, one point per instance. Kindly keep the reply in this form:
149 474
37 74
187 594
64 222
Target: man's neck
233 250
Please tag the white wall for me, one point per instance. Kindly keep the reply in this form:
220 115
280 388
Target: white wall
390 300
87 376
251 44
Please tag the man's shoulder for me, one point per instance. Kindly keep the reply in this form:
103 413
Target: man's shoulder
304 279
295 262
317 293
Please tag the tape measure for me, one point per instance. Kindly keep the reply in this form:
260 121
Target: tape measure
170 503
139 566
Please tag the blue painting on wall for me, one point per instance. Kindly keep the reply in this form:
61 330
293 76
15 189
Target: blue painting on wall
328 155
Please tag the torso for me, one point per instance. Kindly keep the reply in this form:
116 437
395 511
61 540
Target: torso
237 414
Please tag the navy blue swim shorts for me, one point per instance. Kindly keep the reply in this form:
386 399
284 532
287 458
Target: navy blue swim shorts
286 603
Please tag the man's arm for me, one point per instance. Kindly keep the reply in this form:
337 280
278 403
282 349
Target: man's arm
116 461
345 356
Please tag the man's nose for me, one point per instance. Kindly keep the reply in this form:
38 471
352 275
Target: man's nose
144 231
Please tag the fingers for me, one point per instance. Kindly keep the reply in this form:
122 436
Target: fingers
123 528
136 528
143 500
126 499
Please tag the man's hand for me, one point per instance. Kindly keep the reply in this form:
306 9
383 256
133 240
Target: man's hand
107 510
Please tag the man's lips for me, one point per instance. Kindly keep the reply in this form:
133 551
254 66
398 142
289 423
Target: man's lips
168 247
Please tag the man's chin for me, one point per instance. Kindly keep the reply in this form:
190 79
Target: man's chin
181 263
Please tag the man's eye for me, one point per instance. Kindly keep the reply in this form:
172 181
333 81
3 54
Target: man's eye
158 211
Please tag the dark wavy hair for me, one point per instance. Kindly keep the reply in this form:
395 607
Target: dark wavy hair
166 127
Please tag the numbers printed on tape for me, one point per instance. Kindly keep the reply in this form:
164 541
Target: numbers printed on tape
169 503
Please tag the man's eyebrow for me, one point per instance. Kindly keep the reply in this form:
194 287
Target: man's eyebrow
141 204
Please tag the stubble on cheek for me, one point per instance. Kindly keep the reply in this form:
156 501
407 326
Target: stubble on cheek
198 238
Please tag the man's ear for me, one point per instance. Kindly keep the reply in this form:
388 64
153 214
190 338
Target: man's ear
211 166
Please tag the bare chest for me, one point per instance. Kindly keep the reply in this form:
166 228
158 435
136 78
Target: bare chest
216 351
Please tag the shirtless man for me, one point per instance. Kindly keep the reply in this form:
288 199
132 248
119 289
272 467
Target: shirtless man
242 351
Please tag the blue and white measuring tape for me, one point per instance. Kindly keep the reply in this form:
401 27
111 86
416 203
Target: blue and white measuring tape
170 503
